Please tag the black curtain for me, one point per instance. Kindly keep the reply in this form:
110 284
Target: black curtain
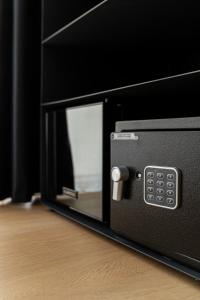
6 16
19 99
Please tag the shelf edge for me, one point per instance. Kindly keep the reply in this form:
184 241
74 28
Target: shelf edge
59 31
105 92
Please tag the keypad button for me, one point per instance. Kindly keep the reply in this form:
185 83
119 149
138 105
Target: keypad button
161 186
160 191
170 185
150 174
170 193
159 198
150 182
160 175
170 201
150 197
160 183
170 176
150 189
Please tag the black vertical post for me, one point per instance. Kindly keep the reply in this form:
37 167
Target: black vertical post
49 162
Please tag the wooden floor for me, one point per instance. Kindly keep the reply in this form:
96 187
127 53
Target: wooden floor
44 256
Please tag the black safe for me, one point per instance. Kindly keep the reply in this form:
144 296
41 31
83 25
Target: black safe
156 186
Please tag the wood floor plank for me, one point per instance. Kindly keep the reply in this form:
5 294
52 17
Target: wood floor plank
44 256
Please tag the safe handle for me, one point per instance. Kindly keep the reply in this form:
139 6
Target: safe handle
119 175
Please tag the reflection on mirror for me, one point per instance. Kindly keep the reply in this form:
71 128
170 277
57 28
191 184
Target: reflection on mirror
79 158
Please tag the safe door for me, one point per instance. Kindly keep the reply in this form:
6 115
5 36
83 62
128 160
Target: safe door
155 197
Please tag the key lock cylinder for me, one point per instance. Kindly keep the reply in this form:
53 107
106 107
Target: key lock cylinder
119 175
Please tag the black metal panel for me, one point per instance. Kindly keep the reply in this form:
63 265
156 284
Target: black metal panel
159 124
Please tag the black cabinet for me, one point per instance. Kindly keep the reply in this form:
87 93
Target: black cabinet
136 59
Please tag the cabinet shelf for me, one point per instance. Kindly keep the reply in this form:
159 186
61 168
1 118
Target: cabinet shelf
73 72
136 23
164 90
120 43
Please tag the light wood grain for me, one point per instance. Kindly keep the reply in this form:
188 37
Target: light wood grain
44 256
